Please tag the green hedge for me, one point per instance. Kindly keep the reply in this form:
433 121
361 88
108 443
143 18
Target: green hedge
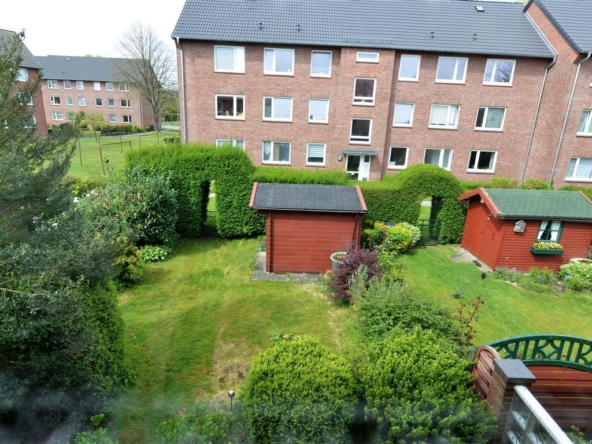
290 175
195 166
587 191
505 182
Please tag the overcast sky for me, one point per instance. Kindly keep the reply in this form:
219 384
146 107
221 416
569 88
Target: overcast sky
83 27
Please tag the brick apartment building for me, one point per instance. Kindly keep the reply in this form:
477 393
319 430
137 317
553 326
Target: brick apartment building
28 70
479 88
92 85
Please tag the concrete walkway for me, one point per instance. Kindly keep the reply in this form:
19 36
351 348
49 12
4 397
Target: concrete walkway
259 274
464 256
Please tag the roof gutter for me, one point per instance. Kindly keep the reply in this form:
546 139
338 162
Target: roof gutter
183 95
573 90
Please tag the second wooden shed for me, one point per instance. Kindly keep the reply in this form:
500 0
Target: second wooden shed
502 227
307 223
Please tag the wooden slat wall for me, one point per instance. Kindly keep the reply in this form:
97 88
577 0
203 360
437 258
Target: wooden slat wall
566 394
483 369
482 237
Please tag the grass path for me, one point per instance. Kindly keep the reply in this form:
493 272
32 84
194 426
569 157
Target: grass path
197 320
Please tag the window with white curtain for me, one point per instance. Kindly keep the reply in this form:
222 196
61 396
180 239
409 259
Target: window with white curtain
315 154
550 230
585 128
444 116
579 169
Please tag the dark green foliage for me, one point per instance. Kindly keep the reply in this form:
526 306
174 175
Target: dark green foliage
577 276
503 182
194 167
586 190
130 263
299 392
419 391
535 184
290 175
81 186
154 253
382 201
99 436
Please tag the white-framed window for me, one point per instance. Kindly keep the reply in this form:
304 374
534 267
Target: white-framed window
315 154
320 64
79 85
279 61
550 230
229 59
54 100
579 169
58 116
482 161
22 75
367 57
97 86
111 103
230 106
452 69
125 103
409 67
585 127
361 130
98 101
109 86
69 101
490 118
235 143
126 119
499 72
364 91
438 156
277 108
81 101
67 84
444 116
112 118
52 84
276 152
403 114
124 86
318 110
398 157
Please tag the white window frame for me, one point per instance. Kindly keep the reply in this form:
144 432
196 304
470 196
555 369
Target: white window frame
330 62
232 142
275 119
324 154
110 106
97 103
587 126
53 101
58 116
67 85
310 113
447 126
80 85
398 167
368 57
487 108
478 155
22 75
234 98
239 55
409 79
574 177
273 161
373 98
128 103
81 101
404 125
96 86
123 87
129 118
442 151
70 100
360 142
53 84
494 69
454 75
108 86
112 118
274 72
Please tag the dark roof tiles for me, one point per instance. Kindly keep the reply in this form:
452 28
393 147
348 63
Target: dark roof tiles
573 18
98 69
28 59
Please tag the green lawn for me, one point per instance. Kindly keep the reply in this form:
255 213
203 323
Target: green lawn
508 310
197 320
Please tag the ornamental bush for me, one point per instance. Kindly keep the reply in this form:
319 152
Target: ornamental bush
577 275
299 392
290 175
419 391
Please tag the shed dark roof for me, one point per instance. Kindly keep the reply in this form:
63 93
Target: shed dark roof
317 198
534 204
28 59
98 69
458 27
573 18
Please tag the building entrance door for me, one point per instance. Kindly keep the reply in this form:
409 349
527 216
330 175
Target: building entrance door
358 166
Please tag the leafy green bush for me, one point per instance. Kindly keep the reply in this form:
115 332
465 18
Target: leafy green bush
544 276
415 232
503 182
99 436
535 184
289 175
129 263
506 274
418 391
577 275
81 186
154 253
299 392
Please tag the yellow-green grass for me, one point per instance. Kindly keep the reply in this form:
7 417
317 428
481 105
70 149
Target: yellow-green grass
196 322
509 310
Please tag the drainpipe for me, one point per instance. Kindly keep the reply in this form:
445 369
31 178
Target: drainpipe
573 90
183 95
536 116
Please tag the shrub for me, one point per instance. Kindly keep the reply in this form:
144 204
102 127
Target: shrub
299 392
535 184
418 391
129 263
340 279
81 185
505 274
99 436
577 275
415 233
154 253
502 182
289 175
544 276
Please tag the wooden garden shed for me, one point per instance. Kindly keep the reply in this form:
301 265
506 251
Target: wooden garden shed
502 227
307 223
